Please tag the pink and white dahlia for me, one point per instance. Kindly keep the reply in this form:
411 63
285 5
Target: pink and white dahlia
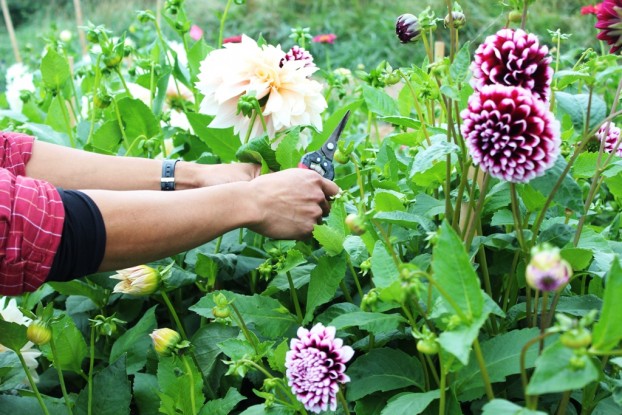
547 270
510 133
609 21
513 58
296 53
315 367
610 134
287 94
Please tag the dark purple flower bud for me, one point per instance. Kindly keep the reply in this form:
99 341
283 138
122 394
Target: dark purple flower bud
407 28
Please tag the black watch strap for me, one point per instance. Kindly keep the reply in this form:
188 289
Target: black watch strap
167 182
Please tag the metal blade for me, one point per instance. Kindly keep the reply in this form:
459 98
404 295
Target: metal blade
330 146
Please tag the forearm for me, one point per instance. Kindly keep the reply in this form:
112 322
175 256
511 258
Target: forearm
144 226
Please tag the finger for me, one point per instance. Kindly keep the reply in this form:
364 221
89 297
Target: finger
325 205
329 188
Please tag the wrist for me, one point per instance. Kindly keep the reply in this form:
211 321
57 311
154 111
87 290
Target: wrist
187 175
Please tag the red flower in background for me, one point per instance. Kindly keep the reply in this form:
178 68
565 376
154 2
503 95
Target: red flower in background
609 21
232 39
590 9
325 38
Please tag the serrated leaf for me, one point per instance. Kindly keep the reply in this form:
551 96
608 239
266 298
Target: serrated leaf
70 345
175 376
454 272
223 406
330 239
503 407
139 123
569 194
383 369
585 165
578 258
205 342
12 335
54 69
325 279
372 322
135 342
114 388
288 153
378 101
410 403
405 219
577 105
607 332
383 268
458 341
459 68
258 151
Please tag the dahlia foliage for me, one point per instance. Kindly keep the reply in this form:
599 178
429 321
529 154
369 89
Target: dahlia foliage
315 367
280 81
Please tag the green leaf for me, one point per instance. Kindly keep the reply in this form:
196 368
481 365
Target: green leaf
205 342
458 341
135 342
579 305
554 374
139 123
288 153
175 377
578 258
222 141
145 391
107 138
577 106
568 77
429 157
459 68
378 101
585 165
56 116
410 403
330 239
372 322
12 335
79 287
607 331
503 407
454 272
568 195
383 369
70 345
113 391
54 69
325 279
387 202
320 137
223 406
258 150
262 409
502 357
405 219
383 268
269 317
21 405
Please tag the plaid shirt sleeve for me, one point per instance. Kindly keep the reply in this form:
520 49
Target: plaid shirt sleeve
31 219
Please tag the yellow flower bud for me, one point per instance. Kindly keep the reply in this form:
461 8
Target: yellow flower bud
39 333
165 340
139 280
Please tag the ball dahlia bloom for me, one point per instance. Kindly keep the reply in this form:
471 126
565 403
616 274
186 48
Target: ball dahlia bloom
547 271
407 28
513 58
510 133
287 95
610 134
609 21
315 367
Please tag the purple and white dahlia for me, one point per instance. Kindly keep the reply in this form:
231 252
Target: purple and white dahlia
610 134
513 58
296 53
510 133
315 367
609 21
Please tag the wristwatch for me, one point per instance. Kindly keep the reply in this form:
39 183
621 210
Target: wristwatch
167 182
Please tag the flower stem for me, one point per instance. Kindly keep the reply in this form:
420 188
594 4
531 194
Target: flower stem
191 376
171 310
63 109
561 410
442 387
33 385
355 276
523 370
343 401
294 294
90 377
484 372
127 90
518 227
480 204
243 326
221 31
523 21
61 378
417 106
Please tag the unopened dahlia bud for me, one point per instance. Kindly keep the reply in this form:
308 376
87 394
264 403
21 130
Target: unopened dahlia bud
547 271
139 280
407 28
39 333
65 35
457 18
165 340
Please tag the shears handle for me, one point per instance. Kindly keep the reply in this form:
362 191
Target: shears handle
318 162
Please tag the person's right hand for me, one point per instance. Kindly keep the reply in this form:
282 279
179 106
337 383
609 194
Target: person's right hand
289 203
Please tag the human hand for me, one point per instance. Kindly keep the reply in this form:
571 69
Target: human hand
289 203
204 175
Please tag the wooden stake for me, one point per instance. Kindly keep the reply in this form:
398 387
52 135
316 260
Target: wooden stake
9 27
80 23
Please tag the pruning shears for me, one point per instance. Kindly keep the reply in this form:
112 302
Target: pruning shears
321 161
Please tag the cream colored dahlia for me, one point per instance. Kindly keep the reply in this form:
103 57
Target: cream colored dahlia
287 95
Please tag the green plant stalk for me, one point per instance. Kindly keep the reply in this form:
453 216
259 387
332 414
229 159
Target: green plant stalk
534 323
121 128
426 45
91 365
433 370
587 401
523 21
452 31
517 219
442 386
448 298
354 276
510 283
287 391
471 203
221 30
73 89
523 371
483 262
294 295
95 88
250 127
561 409
120 75
426 373
343 401
191 376
61 378
346 293
243 326
260 113
417 106
63 109
478 210
33 385
484 372
173 313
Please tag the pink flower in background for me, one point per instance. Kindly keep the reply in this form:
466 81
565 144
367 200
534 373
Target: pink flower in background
547 271
315 367
325 38
510 133
297 53
196 33
513 58
232 39
288 96
611 139
590 9
609 21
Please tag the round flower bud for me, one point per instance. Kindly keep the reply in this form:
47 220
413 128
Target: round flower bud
65 36
428 346
355 223
165 340
139 280
576 338
39 333
458 19
547 271
407 28
515 16
341 157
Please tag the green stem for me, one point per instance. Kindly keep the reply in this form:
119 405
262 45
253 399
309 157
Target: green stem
354 276
449 299
120 75
442 386
484 372
63 109
294 294
523 369
417 106
221 31
346 293
191 376
33 385
121 127
244 328
61 378
432 367
343 401
173 312
280 384
480 205
523 21
517 219
91 365
561 410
